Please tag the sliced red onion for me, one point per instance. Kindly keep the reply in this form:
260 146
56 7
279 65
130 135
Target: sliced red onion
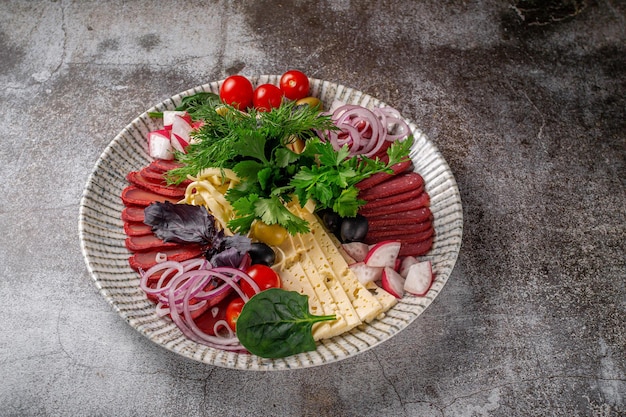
365 131
181 291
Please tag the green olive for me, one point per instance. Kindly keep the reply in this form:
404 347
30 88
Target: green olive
272 235
313 102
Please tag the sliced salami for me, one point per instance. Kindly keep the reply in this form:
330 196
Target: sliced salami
137 229
383 176
135 196
133 214
145 260
399 184
147 243
416 249
418 215
376 237
400 228
135 178
393 199
423 200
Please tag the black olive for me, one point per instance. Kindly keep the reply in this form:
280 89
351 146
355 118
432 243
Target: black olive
260 253
332 221
354 229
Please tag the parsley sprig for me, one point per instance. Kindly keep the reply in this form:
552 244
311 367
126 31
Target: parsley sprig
254 146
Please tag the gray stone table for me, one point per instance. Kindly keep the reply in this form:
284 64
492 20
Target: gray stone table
525 100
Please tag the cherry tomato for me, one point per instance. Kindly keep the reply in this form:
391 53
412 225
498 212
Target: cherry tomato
233 311
207 320
237 91
266 97
264 276
295 85
272 234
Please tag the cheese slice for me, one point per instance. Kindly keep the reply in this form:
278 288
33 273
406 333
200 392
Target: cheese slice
293 278
385 299
317 266
309 281
370 301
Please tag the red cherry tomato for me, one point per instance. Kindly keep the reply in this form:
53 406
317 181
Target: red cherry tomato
295 85
233 311
264 276
237 91
207 320
266 97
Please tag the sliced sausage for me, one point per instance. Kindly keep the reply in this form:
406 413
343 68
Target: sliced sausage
135 196
416 249
408 217
393 199
146 260
422 201
137 229
399 184
135 178
383 176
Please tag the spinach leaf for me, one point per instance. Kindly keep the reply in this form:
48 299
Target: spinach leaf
276 323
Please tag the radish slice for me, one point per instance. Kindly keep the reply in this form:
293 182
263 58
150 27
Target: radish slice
366 274
406 264
159 144
419 278
356 250
169 116
181 130
383 254
393 282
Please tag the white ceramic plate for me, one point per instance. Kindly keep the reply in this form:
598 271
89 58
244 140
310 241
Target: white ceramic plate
102 242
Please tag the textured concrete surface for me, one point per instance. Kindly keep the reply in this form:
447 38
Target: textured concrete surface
527 103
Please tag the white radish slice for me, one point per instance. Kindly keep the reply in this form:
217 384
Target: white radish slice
356 250
392 282
159 145
181 130
383 254
169 116
366 274
406 264
419 278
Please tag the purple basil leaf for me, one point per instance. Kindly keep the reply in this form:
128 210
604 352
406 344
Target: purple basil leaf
180 223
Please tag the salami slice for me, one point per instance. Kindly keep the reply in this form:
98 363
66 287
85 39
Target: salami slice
408 217
135 177
147 243
392 229
137 229
162 166
393 199
416 249
383 176
376 237
146 260
133 214
422 201
135 196
399 184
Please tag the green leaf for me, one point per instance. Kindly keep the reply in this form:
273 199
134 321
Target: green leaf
272 211
251 145
283 157
347 204
248 168
244 208
276 323
265 178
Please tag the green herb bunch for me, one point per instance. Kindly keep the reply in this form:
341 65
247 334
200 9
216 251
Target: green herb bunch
255 146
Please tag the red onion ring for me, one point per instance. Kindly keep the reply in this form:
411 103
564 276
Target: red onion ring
365 131
181 291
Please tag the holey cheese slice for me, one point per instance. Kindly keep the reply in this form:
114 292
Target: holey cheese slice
311 264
